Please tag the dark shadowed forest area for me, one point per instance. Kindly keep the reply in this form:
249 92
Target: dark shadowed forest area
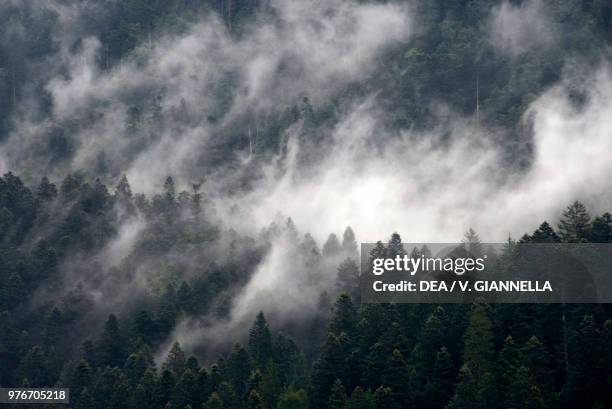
179 178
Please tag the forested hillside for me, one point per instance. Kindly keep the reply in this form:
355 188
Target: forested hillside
345 355
179 178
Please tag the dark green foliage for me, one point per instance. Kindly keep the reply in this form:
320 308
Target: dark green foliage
347 280
111 348
344 317
260 342
337 396
175 362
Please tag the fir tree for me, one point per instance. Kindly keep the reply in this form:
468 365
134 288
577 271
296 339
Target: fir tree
337 396
260 342
332 246
574 225
175 361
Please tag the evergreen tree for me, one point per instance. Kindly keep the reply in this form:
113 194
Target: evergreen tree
545 234
147 392
293 399
395 246
344 318
34 368
378 252
601 229
254 401
439 388
397 377
111 346
574 225
214 402
332 246
349 244
475 386
228 396
175 362
383 399
358 399
185 392
46 190
260 342
472 243
238 369
135 367
347 280
110 389
80 378
169 190
165 388
337 396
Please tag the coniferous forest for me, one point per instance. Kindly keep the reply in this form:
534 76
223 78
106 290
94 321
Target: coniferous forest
186 185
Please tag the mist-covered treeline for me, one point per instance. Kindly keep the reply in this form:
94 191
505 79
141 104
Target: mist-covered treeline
76 319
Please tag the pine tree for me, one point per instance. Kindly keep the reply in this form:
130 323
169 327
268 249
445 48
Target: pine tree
110 389
395 246
545 234
329 367
475 387
80 378
349 244
293 399
175 362
585 376
337 396
135 366
601 229
46 190
383 399
111 346
347 280
238 369
574 225
228 396
522 391
34 368
214 402
472 243
166 387
123 191
358 399
538 361
260 342
397 377
147 392
344 318
439 388
169 190
185 392
509 361
254 401
378 252
332 246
